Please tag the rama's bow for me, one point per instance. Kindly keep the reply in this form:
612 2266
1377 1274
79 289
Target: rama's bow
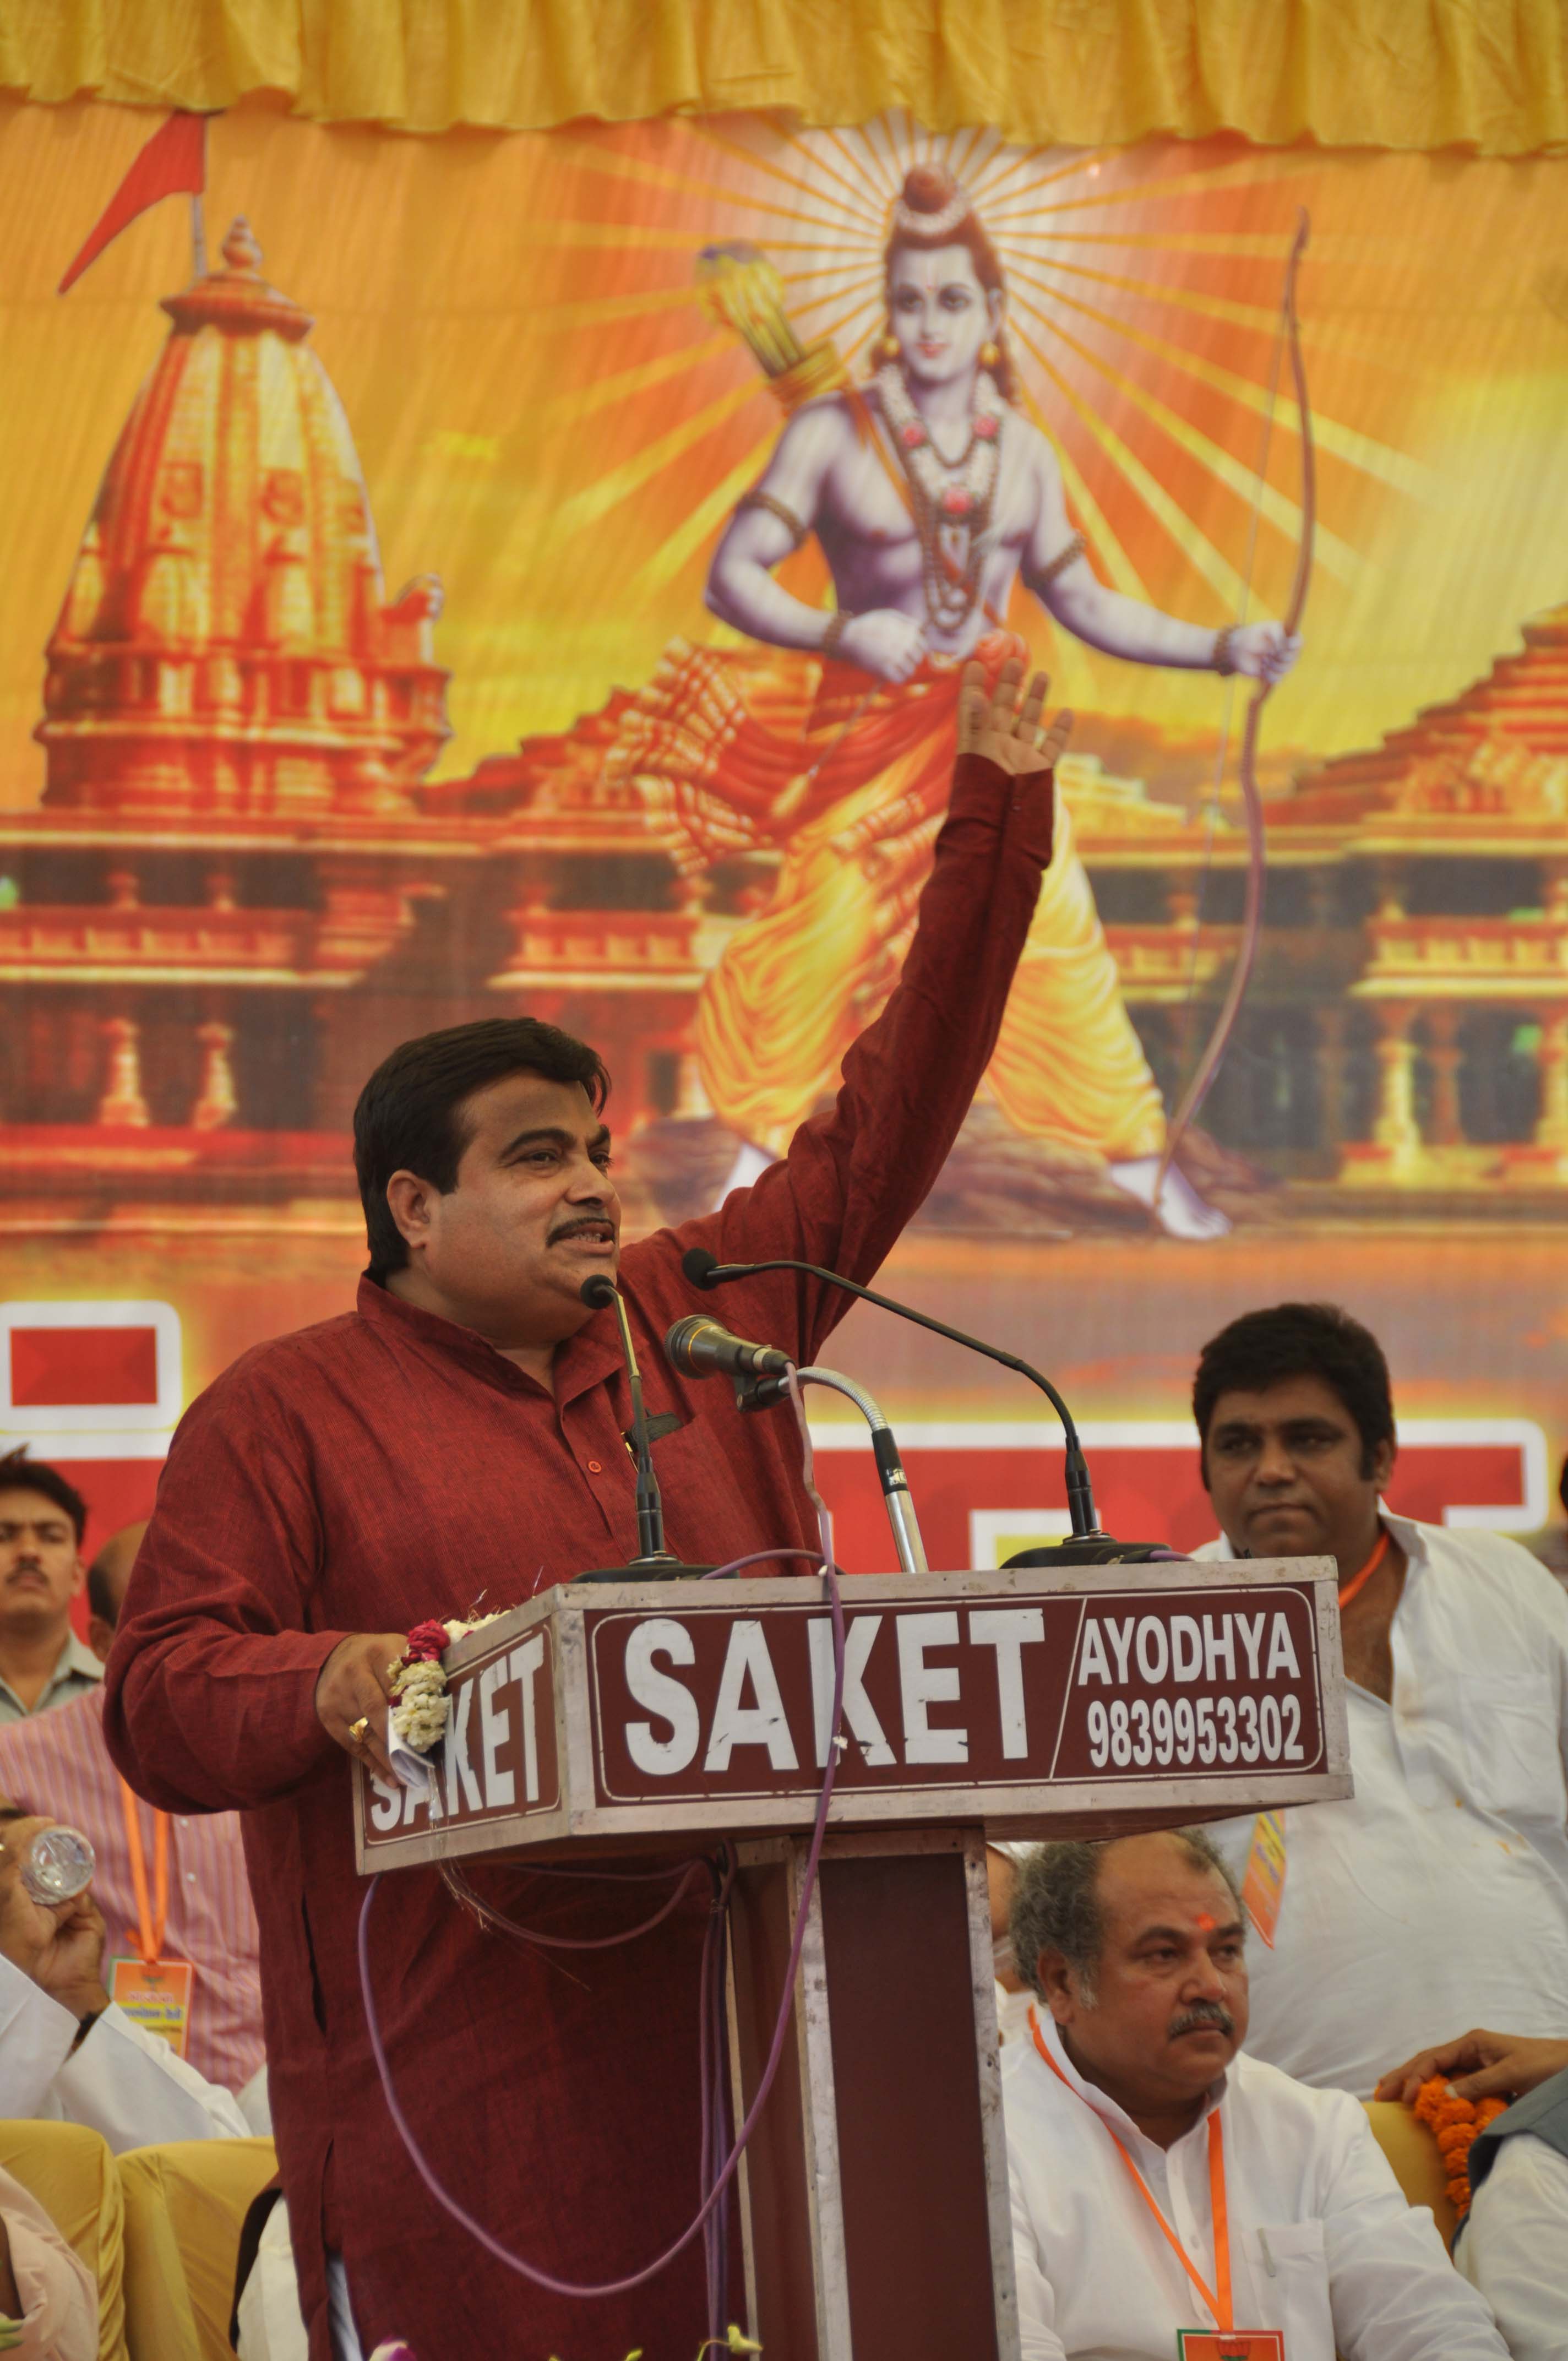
1218 1041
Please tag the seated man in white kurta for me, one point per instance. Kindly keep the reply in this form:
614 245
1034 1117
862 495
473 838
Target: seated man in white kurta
1169 2193
1438 1893
67 2053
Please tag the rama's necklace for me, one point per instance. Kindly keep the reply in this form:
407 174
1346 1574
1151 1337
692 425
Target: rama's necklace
951 500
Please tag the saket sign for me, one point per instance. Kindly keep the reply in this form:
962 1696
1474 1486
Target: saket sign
629 1710
992 1693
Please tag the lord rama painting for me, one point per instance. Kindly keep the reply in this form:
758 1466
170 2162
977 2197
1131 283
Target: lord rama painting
931 494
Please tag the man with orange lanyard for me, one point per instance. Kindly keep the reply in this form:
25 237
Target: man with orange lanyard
1439 1892
1173 2199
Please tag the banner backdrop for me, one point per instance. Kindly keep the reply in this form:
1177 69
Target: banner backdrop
386 639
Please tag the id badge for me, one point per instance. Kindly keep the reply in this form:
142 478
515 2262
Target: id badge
1230 2344
157 1997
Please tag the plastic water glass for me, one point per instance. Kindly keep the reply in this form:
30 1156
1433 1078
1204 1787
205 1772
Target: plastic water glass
58 1866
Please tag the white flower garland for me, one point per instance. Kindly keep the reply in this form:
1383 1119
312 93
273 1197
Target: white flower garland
421 1707
960 493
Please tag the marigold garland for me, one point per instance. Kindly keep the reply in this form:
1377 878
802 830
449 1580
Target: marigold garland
1455 2123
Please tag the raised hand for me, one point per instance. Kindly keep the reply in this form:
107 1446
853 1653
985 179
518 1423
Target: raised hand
61 1948
1005 728
70 1967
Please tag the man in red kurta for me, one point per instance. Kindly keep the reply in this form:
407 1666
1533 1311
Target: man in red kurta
458 1437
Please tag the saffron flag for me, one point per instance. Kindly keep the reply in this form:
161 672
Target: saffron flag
174 158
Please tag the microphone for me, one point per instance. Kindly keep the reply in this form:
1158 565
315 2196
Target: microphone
653 1558
1089 1543
698 1348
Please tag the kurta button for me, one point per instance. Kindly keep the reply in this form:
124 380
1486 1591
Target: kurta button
593 1468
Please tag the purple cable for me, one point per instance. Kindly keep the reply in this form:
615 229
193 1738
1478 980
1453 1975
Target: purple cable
754 1557
712 2110
451 1877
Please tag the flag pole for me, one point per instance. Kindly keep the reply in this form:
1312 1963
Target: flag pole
198 237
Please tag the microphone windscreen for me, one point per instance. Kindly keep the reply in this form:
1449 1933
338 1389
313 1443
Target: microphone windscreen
597 1291
697 1263
680 1337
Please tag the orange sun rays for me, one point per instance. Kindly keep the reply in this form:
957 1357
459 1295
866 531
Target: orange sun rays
1143 298
1142 294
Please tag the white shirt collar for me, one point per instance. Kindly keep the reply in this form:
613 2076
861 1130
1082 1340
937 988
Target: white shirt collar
1410 1536
1103 2105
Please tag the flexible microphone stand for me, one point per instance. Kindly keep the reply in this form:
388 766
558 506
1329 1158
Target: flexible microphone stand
697 1347
896 1493
1091 1544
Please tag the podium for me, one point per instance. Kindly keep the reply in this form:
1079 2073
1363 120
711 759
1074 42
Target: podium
613 1718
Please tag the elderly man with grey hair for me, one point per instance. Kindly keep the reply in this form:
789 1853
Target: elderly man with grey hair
1170 2192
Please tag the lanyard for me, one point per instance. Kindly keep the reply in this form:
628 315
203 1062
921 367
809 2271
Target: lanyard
1359 1582
1218 2299
151 1928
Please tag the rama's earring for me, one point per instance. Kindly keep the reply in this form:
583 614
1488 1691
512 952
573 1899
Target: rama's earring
888 348
990 353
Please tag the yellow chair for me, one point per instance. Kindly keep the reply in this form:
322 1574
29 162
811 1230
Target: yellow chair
1412 2150
72 2173
185 2203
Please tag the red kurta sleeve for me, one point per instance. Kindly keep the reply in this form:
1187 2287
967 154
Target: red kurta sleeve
210 1690
854 1176
211 1686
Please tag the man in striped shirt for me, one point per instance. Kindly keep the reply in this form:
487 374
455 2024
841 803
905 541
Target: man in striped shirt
57 1763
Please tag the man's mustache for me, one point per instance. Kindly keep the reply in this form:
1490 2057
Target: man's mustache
587 1220
1203 2014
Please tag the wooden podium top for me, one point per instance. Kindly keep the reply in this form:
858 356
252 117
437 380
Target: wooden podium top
1079 1700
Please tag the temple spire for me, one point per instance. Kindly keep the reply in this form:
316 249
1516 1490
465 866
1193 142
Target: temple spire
226 646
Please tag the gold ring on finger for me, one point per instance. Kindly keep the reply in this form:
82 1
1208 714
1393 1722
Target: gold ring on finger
359 1730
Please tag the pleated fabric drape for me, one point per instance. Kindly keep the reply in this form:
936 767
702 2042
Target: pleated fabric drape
1489 76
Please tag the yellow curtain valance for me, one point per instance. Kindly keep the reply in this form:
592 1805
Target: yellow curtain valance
1488 76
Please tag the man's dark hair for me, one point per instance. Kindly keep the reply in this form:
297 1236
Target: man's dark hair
20 1474
1056 1906
409 1116
1298 1340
